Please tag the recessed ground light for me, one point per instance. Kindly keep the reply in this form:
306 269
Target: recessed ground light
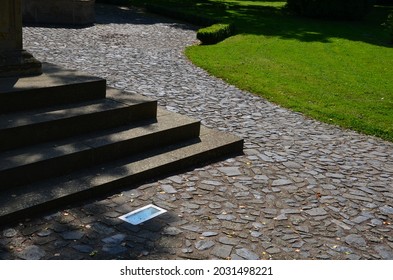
143 214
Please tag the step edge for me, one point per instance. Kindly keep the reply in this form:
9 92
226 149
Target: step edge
168 166
12 138
85 155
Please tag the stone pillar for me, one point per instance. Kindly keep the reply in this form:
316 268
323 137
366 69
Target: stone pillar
14 61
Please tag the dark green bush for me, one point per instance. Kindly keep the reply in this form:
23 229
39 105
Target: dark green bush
337 9
389 26
114 2
384 2
215 33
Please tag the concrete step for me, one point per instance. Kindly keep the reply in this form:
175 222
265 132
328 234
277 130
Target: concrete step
64 156
16 203
65 136
41 125
56 86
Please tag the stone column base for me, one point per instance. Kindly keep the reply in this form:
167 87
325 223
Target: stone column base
19 64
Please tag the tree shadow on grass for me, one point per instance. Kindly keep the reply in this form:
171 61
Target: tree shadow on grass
277 21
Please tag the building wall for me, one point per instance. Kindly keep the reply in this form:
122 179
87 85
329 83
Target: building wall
79 12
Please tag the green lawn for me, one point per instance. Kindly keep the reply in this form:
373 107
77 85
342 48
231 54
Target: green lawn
339 72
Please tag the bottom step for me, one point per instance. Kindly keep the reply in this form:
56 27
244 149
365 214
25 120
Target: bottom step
21 202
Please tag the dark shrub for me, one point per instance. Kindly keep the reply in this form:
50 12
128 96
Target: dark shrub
215 33
339 9
389 26
114 2
384 2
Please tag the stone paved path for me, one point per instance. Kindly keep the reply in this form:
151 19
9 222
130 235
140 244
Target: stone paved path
303 189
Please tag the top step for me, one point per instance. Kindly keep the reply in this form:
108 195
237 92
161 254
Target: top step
55 86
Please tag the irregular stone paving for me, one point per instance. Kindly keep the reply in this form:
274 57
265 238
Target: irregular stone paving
302 190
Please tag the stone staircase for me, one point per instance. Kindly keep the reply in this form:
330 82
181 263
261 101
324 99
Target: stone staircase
66 136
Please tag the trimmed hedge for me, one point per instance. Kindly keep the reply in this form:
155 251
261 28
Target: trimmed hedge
337 9
215 33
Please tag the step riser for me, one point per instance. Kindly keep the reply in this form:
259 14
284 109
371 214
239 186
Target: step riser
39 98
129 181
41 132
65 136
84 158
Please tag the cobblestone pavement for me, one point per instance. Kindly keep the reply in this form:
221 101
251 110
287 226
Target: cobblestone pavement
302 190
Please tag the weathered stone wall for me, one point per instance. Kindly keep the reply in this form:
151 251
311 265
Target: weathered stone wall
79 12
10 25
14 61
